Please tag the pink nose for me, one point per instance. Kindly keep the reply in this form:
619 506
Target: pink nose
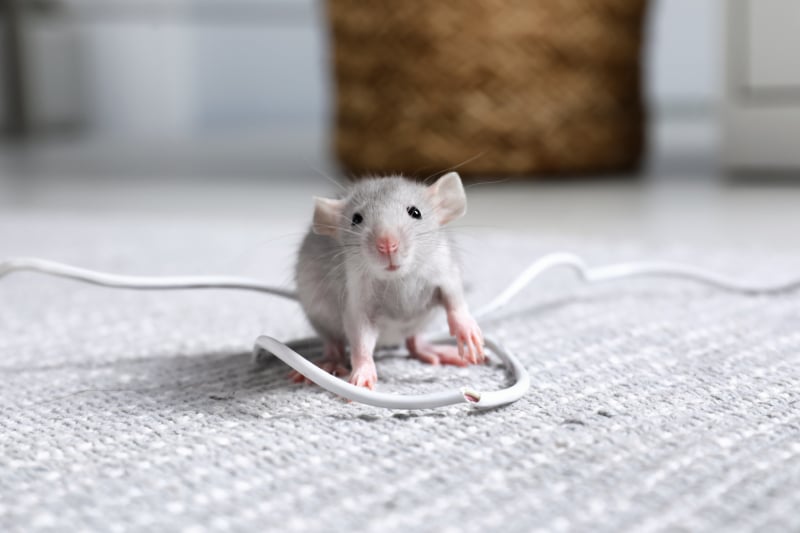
386 244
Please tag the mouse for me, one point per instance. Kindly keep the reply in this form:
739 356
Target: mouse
375 267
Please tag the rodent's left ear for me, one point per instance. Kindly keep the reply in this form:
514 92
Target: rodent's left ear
448 197
327 214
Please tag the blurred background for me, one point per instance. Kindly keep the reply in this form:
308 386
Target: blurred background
218 108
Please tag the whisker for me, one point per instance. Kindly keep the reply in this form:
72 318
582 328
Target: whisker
330 179
454 167
490 182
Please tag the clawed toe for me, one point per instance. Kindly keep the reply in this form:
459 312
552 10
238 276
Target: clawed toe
363 379
364 374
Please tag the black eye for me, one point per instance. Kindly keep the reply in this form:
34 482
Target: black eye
357 219
414 212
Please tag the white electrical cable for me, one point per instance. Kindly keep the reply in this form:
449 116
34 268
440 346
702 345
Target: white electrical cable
482 399
119 281
628 270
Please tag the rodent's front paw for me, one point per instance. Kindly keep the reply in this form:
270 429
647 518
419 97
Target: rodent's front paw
364 375
468 336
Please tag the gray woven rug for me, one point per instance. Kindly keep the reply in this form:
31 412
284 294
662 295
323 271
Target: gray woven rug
654 405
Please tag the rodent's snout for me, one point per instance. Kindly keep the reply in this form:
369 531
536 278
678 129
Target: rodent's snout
387 244
387 249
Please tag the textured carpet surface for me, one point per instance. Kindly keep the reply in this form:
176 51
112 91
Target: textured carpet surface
655 405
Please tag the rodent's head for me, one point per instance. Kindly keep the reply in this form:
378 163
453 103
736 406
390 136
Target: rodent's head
392 223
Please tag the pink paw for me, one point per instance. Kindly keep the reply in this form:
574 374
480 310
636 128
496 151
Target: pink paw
434 354
468 336
335 368
332 362
331 367
364 375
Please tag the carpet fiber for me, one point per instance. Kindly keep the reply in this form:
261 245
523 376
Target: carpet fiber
655 405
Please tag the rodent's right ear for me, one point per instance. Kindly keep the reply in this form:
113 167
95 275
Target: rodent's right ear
327 216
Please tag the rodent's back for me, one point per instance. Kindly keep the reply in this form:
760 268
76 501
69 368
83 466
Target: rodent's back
321 284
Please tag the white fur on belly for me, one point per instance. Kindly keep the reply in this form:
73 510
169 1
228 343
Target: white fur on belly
392 331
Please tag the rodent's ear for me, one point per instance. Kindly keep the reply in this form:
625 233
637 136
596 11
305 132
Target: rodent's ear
327 213
448 197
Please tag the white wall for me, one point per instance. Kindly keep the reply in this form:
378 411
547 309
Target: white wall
249 76
684 58
138 78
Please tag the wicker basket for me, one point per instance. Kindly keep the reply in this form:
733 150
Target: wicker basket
510 87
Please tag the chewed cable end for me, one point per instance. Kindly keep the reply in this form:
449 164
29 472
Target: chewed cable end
471 395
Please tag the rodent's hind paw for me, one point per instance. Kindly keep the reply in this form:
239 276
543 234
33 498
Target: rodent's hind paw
335 368
364 375
434 354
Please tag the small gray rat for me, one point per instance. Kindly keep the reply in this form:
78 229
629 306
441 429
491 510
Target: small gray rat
375 266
